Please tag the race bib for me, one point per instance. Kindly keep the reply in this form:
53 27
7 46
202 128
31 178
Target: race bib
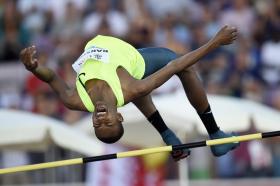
96 53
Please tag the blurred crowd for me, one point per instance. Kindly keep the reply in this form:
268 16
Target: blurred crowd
249 68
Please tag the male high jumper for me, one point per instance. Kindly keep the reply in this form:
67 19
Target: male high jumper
112 73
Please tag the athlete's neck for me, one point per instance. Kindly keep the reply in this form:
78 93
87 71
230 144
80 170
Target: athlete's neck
101 93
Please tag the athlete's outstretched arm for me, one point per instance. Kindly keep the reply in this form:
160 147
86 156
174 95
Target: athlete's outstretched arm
225 36
68 96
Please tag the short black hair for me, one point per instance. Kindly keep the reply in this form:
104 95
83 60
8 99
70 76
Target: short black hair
111 137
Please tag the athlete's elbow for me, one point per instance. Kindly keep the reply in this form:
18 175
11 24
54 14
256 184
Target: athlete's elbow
68 100
140 89
67 103
175 66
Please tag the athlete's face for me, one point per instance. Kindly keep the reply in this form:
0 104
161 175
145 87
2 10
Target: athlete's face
103 118
108 125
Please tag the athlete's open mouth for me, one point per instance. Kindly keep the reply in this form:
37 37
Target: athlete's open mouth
101 109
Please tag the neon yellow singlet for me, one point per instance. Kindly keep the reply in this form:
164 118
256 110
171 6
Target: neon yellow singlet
100 60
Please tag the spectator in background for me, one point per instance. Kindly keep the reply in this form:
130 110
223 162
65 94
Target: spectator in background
210 20
276 157
239 71
242 161
172 34
13 36
214 73
46 103
272 24
59 8
198 34
24 6
70 24
271 61
261 158
34 21
273 98
105 20
135 10
253 89
53 11
270 55
224 166
141 33
71 117
240 15
189 9
142 25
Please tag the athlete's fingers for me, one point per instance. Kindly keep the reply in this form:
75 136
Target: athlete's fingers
25 56
31 65
33 50
234 33
234 38
224 27
29 54
32 55
35 62
233 29
23 51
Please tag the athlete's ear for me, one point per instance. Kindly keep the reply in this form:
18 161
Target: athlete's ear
119 116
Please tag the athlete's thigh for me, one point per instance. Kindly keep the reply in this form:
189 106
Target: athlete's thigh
156 58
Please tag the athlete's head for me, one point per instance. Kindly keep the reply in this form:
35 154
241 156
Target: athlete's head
107 124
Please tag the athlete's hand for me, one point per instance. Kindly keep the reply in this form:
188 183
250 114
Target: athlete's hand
225 35
28 59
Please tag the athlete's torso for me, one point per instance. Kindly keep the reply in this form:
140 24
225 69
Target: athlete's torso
100 60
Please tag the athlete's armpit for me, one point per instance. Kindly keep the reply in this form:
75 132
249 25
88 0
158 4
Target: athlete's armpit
69 96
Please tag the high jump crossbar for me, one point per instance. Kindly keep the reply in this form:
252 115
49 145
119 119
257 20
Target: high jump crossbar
233 139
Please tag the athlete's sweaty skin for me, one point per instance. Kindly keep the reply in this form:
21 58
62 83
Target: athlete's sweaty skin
105 117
